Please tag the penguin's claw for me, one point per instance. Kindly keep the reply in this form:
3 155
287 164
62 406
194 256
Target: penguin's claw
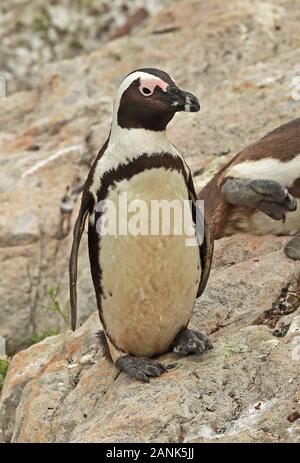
273 210
272 191
266 195
205 339
191 342
292 249
140 367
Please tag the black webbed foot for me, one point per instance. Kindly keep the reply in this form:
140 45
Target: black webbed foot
140 367
191 342
292 249
266 195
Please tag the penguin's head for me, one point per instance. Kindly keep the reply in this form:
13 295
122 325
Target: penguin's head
149 99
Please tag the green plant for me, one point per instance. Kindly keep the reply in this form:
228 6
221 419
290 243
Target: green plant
3 371
40 25
54 305
92 5
234 349
41 21
75 43
35 337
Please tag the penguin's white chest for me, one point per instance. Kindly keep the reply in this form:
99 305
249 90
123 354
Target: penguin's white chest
149 281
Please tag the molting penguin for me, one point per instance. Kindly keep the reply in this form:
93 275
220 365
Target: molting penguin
254 191
145 285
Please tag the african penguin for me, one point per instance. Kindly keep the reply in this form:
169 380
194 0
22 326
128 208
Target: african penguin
253 192
145 285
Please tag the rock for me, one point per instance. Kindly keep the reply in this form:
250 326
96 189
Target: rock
24 230
32 32
2 347
50 134
295 325
136 19
246 389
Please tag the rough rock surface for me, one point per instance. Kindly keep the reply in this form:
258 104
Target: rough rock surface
240 57
245 389
35 32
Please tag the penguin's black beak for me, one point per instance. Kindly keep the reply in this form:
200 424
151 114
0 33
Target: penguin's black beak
179 100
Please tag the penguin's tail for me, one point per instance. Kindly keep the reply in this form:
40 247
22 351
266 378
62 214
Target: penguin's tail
100 335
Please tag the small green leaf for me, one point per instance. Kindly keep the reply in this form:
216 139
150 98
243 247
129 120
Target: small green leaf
3 371
235 349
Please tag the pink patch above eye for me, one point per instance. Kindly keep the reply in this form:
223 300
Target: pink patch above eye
152 83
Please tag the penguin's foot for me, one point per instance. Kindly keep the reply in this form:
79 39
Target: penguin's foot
292 249
266 195
140 367
191 342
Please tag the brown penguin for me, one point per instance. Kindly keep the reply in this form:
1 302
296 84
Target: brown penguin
257 191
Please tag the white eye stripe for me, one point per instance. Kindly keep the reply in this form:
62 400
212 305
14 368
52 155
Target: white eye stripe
126 84
148 86
144 79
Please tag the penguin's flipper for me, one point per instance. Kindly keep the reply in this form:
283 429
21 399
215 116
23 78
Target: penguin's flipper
77 234
204 237
267 196
206 256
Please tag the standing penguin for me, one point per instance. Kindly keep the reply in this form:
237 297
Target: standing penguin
257 191
145 286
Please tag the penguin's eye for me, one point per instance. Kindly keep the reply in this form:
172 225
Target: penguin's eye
146 91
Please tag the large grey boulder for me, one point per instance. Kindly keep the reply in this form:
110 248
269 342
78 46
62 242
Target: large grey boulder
245 389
